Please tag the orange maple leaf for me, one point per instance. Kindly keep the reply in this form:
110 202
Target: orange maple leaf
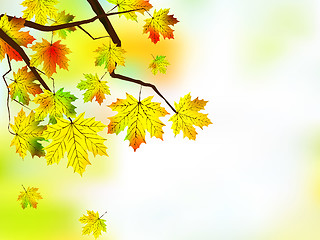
12 29
51 55
159 23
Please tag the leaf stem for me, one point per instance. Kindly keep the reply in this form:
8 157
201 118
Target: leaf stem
102 215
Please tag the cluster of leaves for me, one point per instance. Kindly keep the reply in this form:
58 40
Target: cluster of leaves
76 135
55 119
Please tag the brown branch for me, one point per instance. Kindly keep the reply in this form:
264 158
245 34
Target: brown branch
128 79
97 8
24 56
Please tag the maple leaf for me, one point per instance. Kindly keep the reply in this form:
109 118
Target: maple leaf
51 55
29 197
95 88
159 64
41 9
139 116
188 116
54 104
63 18
12 29
159 23
75 137
22 85
127 5
27 134
94 224
110 56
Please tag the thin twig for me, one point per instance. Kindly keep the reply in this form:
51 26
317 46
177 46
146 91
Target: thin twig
93 38
8 96
128 79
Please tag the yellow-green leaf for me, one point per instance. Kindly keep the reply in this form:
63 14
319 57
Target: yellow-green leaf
54 104
93 224
76 137
63 18
95 88
159 64
128 5
29 196
110 55
188 116
41 9
23 85
27 134
139 117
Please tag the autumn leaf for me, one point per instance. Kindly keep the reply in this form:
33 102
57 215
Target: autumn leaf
159 24
54 104
188 116
29 197
41 9
12 29
63 18
75 137
127 5
94 224
138 116
27 134
94 88
23 85
110 55
159 64
51 55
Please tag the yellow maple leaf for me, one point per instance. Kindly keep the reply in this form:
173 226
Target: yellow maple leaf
29 197
138 116
23 85
51 55
75 137
188 116
54 104
127 5
12 29
95 88
159 24
94 224
27 134
159 64
110 56
41 9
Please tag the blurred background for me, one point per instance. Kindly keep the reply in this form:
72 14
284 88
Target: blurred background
253 174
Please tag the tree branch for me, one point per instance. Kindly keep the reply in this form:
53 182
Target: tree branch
128 79
97 8
24 56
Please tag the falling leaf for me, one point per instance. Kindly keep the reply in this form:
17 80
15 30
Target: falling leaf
41 9
29 197
74 137
51 55
94 224
110 56
188 116
159 64
22 85
63 18
54 104
159 23
12 29
127 5
94 88
138 116
27 134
